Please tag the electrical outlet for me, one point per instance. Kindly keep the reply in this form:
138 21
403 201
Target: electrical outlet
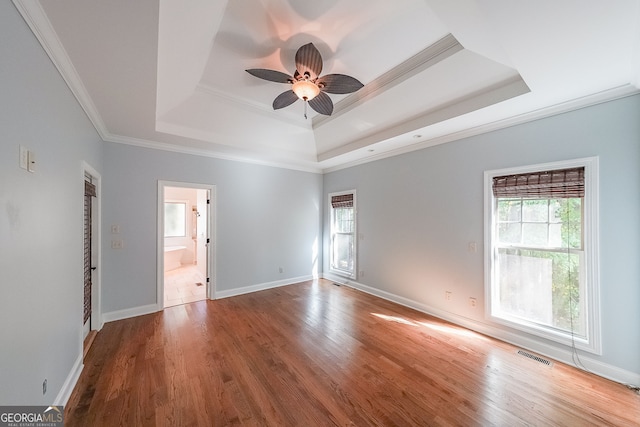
473 247
117 244
44 386
447 295
361 273
472 301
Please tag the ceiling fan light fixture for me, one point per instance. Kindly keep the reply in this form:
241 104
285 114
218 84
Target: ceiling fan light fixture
307 84
306 90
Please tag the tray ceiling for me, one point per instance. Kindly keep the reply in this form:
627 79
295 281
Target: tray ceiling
170 75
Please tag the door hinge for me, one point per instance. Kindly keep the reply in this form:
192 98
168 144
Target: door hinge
207 280
208 201
208 240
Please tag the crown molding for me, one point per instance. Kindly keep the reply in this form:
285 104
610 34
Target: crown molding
553 110
181 149
37 20
486 97
428 57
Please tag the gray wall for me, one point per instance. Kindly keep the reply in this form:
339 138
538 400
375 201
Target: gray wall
266 218
41 238
418 212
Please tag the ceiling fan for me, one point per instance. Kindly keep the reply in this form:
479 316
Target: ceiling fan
307 83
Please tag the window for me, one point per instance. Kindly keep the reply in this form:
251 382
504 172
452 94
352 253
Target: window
542 257
175 219
343 231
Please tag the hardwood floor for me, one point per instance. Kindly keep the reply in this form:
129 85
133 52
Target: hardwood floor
315 354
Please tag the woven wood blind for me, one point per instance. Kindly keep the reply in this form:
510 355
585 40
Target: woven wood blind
554 184
89 189
342 201
89 192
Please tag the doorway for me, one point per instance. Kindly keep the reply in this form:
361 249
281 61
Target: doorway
91 318
185 243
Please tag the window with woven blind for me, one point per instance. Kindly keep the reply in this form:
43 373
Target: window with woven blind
343 233
542 261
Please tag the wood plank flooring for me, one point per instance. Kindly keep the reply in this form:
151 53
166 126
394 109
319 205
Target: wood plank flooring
315 354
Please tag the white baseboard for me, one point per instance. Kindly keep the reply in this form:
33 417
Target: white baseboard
129 312
69 383
558 353
261 287
152 308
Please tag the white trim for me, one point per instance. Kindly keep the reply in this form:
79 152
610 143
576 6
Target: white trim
505 90
344 274
593 343
175 148
423 60
262 286
211 235
550 111
96 291
127 313
70 382
41 27
595 366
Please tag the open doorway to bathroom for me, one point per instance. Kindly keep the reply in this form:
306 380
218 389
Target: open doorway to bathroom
185 245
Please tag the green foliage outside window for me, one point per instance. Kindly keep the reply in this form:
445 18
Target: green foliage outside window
549 229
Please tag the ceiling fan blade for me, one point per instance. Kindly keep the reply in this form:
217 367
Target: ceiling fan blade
309 60
271 75
284 99
322 104
338 84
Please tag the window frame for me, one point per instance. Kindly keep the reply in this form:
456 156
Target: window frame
592 342
341 272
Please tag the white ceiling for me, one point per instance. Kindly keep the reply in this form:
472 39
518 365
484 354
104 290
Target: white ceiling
170 74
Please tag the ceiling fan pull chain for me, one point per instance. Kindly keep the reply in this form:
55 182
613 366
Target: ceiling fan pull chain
305 110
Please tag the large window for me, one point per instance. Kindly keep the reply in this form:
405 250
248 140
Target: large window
542 262
343 233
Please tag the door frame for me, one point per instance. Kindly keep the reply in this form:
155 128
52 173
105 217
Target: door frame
211 235
96 245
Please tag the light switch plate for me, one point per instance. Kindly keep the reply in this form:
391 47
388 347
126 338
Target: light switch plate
24 157
31 161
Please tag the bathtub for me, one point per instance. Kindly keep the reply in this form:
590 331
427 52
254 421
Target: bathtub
173 257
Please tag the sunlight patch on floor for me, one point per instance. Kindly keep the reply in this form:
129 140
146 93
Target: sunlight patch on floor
451 329
446 329
395 319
